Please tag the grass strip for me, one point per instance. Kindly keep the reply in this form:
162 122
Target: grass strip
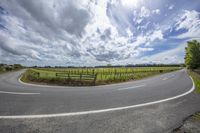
196 77
104 75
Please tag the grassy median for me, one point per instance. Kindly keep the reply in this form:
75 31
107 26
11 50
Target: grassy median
91 76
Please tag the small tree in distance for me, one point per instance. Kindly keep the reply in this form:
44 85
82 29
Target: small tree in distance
192 56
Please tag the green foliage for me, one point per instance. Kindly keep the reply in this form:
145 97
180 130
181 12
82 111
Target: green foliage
192 57
197 116
6 68
17 66
109 65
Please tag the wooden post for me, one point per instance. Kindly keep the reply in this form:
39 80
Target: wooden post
80 76
95 77
38 74
115 74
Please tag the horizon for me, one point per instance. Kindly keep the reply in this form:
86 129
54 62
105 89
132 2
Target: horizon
96 33
100 66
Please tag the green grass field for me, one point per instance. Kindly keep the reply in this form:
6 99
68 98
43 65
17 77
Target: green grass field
91 76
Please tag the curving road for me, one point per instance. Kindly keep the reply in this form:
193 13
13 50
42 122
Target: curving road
25 101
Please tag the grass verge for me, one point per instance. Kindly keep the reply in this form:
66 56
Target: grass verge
196 77
104 76
197 116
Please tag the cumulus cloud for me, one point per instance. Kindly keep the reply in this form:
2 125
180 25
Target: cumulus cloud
51 16
171 7
145 12
156 11
172 56
191 22
16 47
87 32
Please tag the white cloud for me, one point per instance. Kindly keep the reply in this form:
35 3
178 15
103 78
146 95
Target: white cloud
130 34
171 7
145 12
149 38
76 32
156 35
170 56
191 22
156 11
17 47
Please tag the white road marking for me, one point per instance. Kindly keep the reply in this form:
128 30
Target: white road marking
165 78
19 80
97 111
132 87
18 93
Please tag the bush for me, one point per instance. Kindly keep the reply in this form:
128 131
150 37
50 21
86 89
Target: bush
192 57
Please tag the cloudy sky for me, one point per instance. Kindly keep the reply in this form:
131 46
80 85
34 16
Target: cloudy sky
96 32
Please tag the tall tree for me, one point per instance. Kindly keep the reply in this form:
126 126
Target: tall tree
192 56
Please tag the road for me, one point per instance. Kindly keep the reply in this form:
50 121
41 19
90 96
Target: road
156 104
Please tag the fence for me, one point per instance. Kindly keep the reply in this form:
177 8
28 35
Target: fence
81 77
93 76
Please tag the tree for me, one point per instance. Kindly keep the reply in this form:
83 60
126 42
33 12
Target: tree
192 56
17 66
109 65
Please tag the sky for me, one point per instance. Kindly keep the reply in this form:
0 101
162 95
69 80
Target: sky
96 32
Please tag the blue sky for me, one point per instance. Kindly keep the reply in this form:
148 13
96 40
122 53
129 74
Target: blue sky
91 32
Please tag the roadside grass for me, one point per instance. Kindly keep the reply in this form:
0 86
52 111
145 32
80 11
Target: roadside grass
197 116
79 76
196 77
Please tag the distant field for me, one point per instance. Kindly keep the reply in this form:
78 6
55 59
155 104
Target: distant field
6 68
91 76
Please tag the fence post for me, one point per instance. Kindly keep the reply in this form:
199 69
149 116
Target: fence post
115 75
93 71
95 77
80 76
68 76
38 74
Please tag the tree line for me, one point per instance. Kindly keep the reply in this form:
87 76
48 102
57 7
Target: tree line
192 56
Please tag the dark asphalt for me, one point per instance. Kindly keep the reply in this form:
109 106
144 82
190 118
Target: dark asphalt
154 118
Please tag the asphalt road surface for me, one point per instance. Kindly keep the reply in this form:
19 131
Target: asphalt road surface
157 104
